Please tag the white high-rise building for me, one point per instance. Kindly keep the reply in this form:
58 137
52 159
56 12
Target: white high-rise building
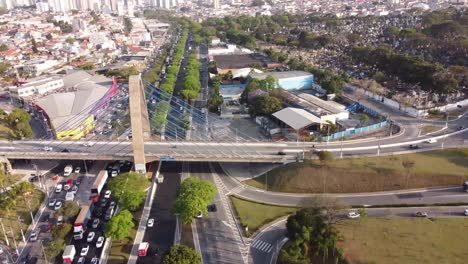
216 4
130 8
42 7
120 8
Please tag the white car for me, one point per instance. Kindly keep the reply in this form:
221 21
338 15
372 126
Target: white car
81 260
74 190
87 144
353 215
52 202
200 214
151 222
84 251
114 173
47 148
58 188
466 212
100 242
96 223
33 236
90 237
77 170
58 205
94 260
60 220
107 194
431 141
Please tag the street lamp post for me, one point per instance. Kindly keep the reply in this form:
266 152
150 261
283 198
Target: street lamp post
21 229
43 252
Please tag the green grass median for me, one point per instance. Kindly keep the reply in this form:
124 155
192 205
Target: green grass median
369 174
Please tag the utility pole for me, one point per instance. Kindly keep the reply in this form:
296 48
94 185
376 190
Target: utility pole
4 233
21 229
341 146
14 240
378 146
446 119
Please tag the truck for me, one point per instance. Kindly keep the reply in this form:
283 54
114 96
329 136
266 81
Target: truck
81 221
143 249
98 184
69 196
67 170
68 254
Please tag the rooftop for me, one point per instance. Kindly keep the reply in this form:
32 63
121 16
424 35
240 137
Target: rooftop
280 75
297 118
238 61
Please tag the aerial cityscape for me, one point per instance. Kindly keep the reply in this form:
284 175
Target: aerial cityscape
233 131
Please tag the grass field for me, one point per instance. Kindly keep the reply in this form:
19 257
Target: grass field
405 240
21 213
255 215
368 174
429 129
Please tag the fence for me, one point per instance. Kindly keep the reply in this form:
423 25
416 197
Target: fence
355 131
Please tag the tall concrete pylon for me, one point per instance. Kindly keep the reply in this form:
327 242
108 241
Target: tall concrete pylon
139 122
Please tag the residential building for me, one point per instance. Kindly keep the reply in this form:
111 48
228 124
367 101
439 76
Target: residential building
288 80
35 86
37 67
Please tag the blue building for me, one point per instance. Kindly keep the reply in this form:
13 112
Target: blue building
288 80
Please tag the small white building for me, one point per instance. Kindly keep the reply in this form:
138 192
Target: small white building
37 67
36 86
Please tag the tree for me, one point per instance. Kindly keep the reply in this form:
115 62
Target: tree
68 210
119 226
34 45
408 165
325 157
4 67
18 116
49 36
4 47
54 248
70 40
193 196
364 118
129 188
87 66
362 212
265 105
128 25
60 231
181 254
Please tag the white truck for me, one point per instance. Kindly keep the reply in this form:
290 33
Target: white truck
67 170
68 254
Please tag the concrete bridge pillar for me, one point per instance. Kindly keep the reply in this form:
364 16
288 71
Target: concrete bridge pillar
139 122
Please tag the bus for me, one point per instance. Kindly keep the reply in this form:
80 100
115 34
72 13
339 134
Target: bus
81 221
143 249
98 184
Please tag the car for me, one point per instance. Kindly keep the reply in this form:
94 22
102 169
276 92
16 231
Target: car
460 128
100 242
107 194
150 222
81 260
46 217
48 228
114 173
466 212
1 250
90 237
200 214
78 180
52 202
112 204
420 214
353 215
34 179
58 188
77 169
84 251
94 260
95 223
60 220
33 236
74 190
281 153
212 208
102 202
87 144
413 146
431 140
47 148
58 205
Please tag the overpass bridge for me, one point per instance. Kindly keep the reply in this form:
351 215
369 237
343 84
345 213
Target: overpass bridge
167 128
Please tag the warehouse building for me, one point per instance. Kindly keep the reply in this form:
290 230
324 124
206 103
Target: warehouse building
71 114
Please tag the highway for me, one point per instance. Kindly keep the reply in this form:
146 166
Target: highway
218 236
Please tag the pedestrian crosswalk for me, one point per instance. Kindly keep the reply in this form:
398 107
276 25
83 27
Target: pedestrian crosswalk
262 246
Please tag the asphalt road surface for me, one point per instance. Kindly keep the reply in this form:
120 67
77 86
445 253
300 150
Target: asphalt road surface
217 233
161 235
